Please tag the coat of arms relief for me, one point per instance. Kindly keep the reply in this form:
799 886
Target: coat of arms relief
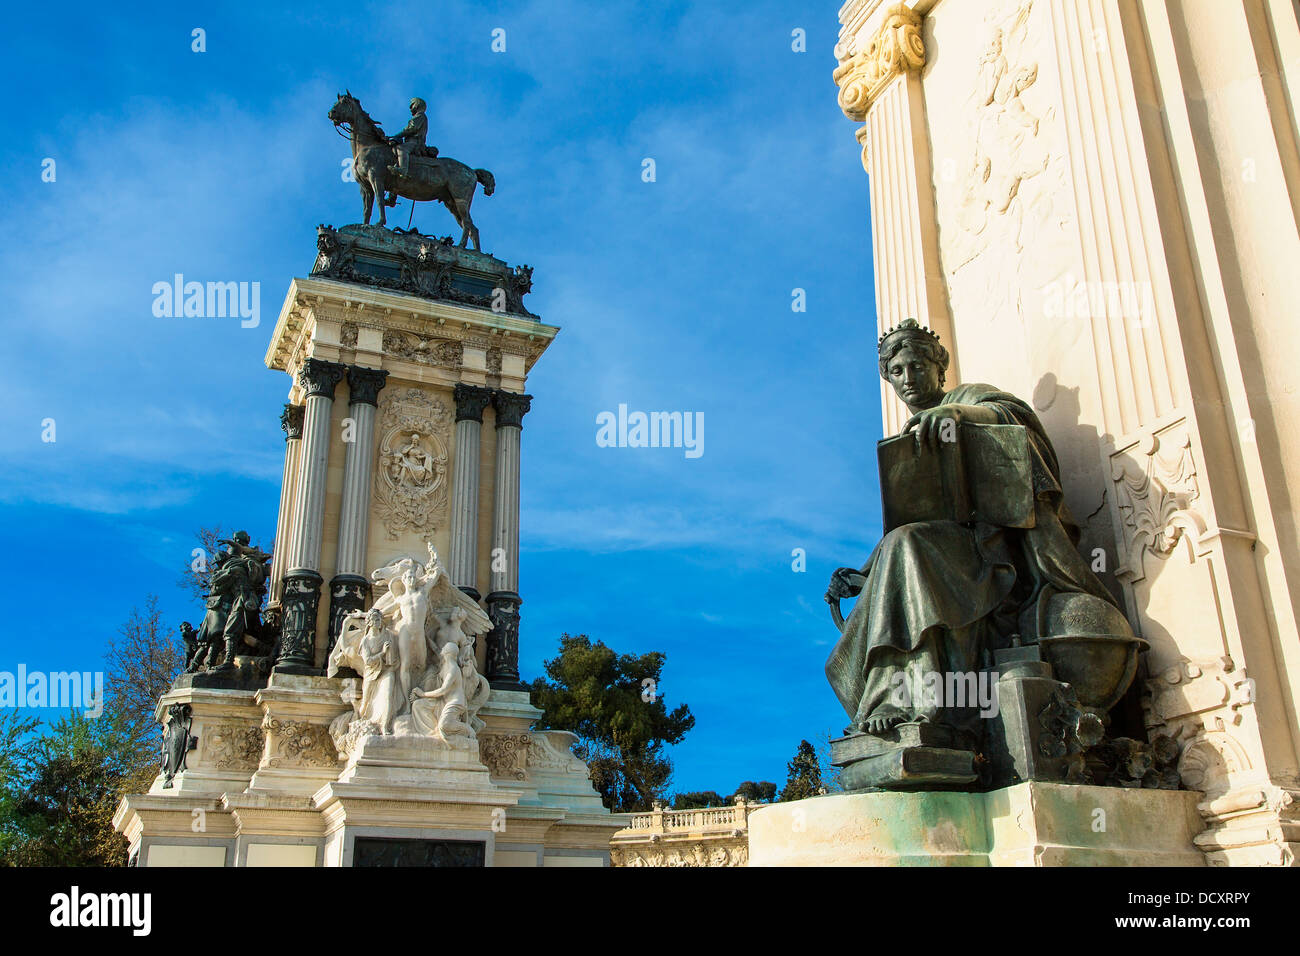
411 485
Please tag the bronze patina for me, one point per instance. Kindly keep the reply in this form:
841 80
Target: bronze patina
390 166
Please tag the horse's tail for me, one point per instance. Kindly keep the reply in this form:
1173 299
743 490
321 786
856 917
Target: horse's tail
486 178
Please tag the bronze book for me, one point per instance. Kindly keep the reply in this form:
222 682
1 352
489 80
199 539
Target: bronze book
982 476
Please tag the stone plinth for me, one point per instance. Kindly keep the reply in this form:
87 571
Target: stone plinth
299 754
1031 824
285 798
228 727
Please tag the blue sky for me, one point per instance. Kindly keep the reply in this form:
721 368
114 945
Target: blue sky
672 295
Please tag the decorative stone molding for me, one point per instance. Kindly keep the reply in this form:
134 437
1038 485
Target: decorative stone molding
348 335
319 377
1204 705
896 48
412 487
235 746
692 855
1155 487
471 400
511 408
445 353
544 755
297 743
1197 704
365 384
505 755
426 266
291 422
494 360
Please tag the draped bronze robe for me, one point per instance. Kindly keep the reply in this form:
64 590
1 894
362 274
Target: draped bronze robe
939 593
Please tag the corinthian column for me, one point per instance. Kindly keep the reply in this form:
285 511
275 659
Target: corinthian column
880 84
463 562
300 597
503 602
291 422
349 588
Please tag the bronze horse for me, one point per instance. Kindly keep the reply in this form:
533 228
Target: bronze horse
445 180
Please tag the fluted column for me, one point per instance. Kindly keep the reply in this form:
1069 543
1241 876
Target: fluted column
463 561
879 77
503 602
349 588
300 597
291 422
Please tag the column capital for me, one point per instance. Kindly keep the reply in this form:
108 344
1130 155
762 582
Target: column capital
511 407
319 377
365 383
470 402
291 422
896 48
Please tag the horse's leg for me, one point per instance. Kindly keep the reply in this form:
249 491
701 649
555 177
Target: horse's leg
471 230
460 209
367 199
377 184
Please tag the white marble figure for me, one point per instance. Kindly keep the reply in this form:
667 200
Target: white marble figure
366 646
445 708
415 652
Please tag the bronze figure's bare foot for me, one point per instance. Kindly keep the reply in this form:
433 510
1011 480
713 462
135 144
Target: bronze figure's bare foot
882 719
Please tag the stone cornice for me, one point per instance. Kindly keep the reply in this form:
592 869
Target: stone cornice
311 301
895 48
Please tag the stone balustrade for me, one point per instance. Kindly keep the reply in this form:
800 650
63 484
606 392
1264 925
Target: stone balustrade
707 836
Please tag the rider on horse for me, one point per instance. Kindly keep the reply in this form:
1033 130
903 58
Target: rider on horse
410 142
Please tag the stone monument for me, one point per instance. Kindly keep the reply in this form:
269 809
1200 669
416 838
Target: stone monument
1091 206
374 713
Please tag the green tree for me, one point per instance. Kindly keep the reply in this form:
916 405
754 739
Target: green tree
699 799
70 783
614 704
805 774
16 748
142 662
760 791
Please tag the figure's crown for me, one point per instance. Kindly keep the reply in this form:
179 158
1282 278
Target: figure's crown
910 326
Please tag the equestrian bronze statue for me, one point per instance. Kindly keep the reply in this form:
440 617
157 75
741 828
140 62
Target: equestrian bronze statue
403 166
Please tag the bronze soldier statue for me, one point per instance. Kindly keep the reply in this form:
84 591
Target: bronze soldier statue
410 142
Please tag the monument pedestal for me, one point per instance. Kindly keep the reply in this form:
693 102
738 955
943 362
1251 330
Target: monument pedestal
1030 824
265 786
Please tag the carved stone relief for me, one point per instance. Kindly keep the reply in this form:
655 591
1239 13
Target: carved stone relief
1155 487
235 746
544 755
710 853
411 492
298 743
1198 704
505 755
446 353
